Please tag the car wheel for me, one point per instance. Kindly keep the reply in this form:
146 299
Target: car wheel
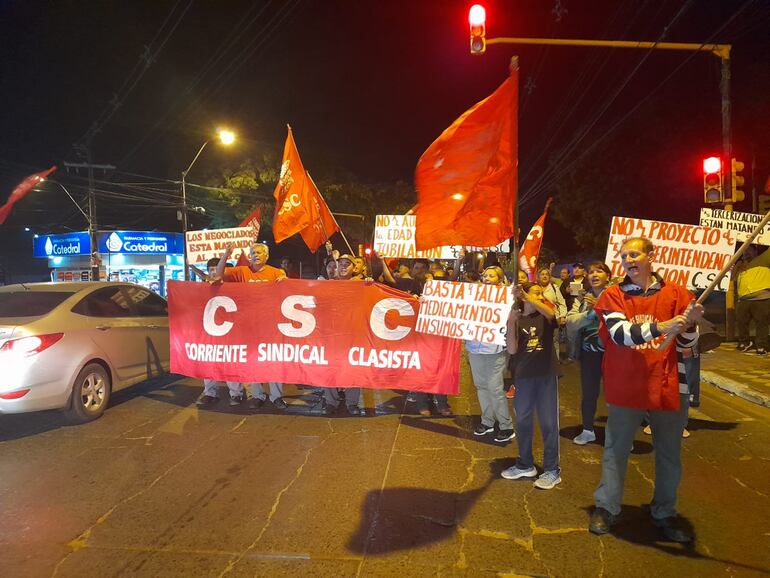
90 394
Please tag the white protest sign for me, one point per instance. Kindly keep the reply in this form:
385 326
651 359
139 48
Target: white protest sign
688 255
470 311
741 224
205 245
394 237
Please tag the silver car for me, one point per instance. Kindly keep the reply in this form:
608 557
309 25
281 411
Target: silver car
69 345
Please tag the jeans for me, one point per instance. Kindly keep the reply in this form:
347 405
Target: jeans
758 310
667 427
276 391
210 388
590 383
539 394
487 370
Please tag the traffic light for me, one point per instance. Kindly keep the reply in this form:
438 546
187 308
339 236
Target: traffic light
712 181
477 18
737 181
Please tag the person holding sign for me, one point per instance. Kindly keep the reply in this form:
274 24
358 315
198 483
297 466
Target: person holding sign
587 346
753 300
488 362
530 339
641 375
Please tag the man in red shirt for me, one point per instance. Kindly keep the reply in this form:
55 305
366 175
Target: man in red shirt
641 377
257 271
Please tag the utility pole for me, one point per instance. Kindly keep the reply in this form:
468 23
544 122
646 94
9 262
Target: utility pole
92 226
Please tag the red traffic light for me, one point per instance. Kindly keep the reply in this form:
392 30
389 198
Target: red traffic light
712 165
477 18
368 251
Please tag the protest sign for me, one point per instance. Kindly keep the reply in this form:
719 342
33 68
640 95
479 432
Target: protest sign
394 238
324 333
740 224
688 255
469 311
205 245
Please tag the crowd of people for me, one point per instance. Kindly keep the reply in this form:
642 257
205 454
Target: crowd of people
612 327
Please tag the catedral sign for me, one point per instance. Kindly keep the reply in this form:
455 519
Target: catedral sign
394 237
741 225
324 333
205 245
689 255
469 311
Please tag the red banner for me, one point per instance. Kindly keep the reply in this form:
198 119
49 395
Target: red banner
325 333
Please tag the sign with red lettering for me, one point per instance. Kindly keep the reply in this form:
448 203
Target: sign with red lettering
394 237
469 311
688 255
324 333
205 245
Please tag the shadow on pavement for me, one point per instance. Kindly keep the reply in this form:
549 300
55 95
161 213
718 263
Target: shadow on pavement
396 519
461 430
694 424
635 526
641 447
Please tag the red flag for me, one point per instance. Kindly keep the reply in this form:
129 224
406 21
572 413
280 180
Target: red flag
253 221
466 180
530 249
243 260
22 189
323 224
293 195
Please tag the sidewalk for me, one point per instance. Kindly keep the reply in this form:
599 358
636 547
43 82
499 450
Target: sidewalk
746 375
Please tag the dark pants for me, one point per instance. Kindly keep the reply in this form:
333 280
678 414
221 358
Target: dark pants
539 394
759 311
692 371
423 400
590 383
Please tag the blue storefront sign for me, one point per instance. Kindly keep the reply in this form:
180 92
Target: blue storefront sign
140 243
65 245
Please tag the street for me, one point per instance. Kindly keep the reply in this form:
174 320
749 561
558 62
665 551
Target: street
159 487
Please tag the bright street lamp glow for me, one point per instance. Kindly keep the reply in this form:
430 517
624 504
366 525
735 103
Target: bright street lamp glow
477 15
226 137
457 197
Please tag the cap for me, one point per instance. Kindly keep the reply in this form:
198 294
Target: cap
579 264
346 256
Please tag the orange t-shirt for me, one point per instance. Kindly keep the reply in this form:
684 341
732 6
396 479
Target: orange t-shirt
246 275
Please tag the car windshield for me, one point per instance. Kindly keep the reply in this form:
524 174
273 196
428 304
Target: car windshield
30 303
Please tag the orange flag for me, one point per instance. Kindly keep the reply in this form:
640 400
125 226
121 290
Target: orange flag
293 195
323 224
466 180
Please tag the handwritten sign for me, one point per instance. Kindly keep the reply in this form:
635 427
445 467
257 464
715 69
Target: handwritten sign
205 245
470 311
688 255
394 237
741 224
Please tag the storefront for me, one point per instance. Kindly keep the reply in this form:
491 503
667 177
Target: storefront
148 258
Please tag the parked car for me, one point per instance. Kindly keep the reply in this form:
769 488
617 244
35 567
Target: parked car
69 345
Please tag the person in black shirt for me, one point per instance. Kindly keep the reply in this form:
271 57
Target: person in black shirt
530 339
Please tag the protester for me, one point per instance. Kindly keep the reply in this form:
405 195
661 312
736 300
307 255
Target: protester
564 276
488 362
530 339
332 396
571 288
257 271
583 327
330 268
753 300
209 395
521 277
552 294
288 267
640 376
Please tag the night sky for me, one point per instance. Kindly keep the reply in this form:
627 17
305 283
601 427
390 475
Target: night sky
366 85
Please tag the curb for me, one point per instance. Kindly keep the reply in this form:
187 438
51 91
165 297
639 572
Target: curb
734 387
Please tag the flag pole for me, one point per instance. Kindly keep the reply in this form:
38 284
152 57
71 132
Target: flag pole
323 229
514 68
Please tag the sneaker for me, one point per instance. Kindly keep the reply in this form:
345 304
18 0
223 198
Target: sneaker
547 480
647 430
745 347
510 393
761 351
236 400
674 529
504 435
685 433
206 400
514 473
280 404
411 397
256 403
482 430
601 520
585 437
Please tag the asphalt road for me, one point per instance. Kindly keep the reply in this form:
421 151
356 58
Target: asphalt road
157 487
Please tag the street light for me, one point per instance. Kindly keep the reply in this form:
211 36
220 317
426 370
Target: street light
226 137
